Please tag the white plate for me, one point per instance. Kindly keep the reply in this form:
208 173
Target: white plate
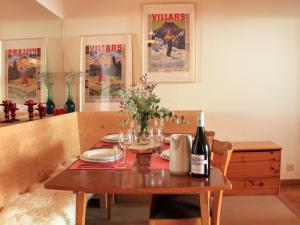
111 138
165 154
101 155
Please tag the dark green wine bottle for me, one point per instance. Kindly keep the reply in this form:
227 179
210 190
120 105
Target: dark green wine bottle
200 157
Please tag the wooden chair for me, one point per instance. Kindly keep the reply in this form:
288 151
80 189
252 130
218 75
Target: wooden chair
185 209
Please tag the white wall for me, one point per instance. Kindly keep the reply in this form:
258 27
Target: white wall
51 31
248 64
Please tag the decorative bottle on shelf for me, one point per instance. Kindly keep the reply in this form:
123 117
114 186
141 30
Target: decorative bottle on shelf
50 106
70 105
49 103
200 157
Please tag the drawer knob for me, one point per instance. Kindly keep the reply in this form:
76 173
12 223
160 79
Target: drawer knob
272 168
251 182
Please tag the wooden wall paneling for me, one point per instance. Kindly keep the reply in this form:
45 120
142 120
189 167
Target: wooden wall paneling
94 125
30 151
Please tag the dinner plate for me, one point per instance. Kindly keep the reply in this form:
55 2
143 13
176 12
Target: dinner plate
111 138
101 155
165 154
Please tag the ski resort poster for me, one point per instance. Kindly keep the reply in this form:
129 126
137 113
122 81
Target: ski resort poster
23 66
169 42
107 60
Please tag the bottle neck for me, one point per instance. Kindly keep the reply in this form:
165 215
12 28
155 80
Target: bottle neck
200 130
200 120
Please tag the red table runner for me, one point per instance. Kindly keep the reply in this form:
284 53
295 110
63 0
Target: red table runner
156 161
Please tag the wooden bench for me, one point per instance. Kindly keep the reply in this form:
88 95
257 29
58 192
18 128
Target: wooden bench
30 151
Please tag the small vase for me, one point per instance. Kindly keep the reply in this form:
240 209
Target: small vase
69 105
142 133
50 106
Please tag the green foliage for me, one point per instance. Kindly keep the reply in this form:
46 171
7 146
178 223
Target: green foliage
143 104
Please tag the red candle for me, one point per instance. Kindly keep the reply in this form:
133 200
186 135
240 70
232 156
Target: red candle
13 106
6 102
29 102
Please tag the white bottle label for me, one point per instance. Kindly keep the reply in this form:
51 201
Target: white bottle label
198 164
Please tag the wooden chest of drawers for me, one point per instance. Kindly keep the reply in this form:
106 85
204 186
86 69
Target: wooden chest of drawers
254 168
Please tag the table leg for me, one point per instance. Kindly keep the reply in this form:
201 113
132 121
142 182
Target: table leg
216 208
204 205
109 205
80 207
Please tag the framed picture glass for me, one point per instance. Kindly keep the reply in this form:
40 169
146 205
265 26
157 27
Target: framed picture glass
168 42
107 64
23 61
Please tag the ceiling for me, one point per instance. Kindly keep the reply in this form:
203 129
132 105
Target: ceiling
23 10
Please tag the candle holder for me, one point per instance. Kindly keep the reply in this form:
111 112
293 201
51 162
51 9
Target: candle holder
13 108
30 103
6 108
42 110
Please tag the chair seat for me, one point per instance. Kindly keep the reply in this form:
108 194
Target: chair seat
179 206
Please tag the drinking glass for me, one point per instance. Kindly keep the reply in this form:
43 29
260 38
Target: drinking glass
132 130
125 140
158 123
156 136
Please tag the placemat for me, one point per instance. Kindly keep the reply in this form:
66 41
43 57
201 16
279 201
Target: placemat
158 163
84 165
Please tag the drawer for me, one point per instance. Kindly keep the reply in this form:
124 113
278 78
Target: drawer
253 169
244 157
255 183
262 186
237 183
238 186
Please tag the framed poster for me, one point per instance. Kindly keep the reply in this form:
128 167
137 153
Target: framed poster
23 62
107 62
168 42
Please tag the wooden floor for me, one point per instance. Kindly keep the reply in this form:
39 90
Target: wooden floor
292 193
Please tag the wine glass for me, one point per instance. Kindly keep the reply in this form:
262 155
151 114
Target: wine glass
125 140
159 123
156 136
132 129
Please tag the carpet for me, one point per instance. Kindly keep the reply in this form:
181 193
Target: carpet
256 210
237 210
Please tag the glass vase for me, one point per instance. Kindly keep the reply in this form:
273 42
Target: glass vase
50 106
142 132
70 105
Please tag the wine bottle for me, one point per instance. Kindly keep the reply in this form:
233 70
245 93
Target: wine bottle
200 157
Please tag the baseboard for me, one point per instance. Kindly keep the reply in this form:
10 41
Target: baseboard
290 205
290 181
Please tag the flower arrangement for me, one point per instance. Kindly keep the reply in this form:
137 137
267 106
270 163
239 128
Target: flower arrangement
69 78
45 78
142 104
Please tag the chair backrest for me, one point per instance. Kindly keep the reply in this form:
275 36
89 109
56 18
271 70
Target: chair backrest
221 151
210 137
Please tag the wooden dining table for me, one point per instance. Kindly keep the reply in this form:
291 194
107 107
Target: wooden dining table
138 180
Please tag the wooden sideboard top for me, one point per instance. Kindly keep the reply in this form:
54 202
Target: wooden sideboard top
255 146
